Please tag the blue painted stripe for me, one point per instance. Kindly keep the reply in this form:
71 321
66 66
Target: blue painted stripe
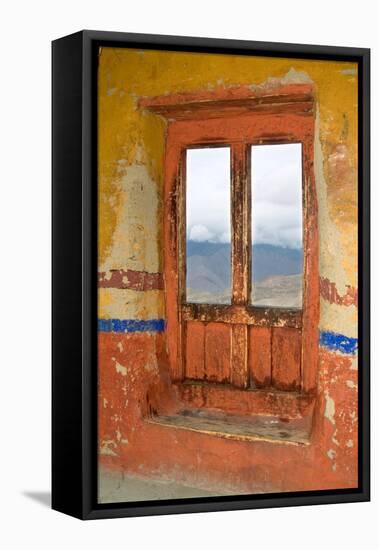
329 340
338 342
131 325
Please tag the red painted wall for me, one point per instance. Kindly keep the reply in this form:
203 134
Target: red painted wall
128 443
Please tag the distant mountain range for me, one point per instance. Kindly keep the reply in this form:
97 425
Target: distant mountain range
208 264
276 291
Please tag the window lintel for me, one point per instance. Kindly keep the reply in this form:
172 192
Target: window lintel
222 102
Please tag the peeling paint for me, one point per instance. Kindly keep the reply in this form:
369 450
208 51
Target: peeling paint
116 303
332 257
330 293
331 454
134 242
329 408
350 72
133 280
106 448
121 369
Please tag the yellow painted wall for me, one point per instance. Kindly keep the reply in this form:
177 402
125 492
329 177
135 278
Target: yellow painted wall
131 156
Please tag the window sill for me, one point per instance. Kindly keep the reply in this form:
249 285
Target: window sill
221 410
267 429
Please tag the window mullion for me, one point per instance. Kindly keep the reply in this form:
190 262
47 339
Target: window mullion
240 220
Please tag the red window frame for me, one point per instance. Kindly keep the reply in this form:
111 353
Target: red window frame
239 119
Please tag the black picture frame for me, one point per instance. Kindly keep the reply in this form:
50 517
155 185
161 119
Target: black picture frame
74 334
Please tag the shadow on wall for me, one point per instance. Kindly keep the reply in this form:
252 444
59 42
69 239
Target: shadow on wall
41 497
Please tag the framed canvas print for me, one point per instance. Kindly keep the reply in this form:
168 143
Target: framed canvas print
210 274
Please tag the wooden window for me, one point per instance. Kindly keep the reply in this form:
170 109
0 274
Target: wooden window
237 340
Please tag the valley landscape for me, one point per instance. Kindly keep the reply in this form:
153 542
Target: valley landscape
277 274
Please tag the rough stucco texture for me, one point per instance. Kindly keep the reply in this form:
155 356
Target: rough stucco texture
132 362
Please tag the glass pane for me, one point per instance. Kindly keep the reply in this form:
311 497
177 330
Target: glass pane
277 226
208 225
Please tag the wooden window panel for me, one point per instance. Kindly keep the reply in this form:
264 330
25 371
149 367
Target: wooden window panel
260 356
286 359
239 369
195 351
217 352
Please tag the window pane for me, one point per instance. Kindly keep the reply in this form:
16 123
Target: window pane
277 226
208 225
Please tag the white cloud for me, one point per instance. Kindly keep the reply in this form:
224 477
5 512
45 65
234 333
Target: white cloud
208 194
276 194
224 237
200 233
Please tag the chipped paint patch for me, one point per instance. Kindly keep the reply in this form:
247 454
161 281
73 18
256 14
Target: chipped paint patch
349 72
329 292
106 447
121 369
354 363
331 453
120 347
332 258
329 408
134 243
134 280
296 76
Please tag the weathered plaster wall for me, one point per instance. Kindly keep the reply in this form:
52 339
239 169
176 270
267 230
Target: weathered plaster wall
131 296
